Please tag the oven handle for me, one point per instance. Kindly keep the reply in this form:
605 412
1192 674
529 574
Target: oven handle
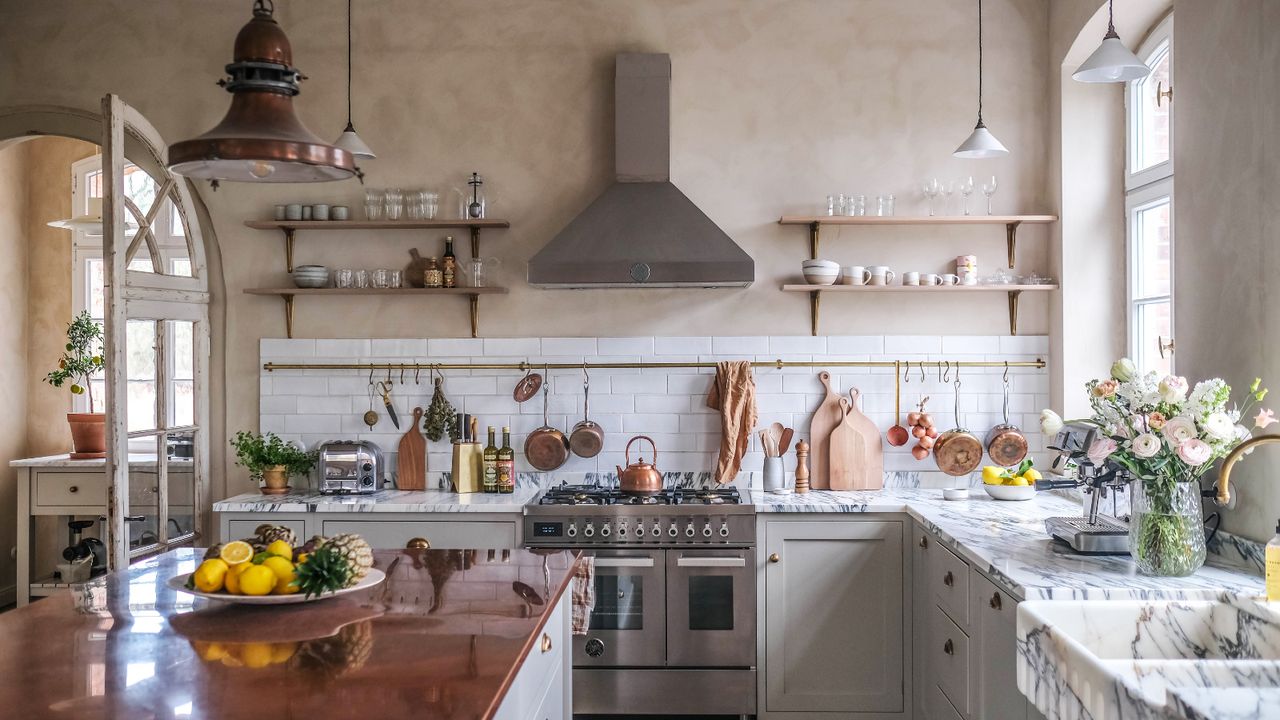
710 562
645 562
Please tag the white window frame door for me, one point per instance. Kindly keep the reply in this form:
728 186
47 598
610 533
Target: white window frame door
1136 202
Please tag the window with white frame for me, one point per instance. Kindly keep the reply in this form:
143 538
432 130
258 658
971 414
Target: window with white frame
1149 204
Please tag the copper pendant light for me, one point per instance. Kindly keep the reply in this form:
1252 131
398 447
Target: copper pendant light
261 139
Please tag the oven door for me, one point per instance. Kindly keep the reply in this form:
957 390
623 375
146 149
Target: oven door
711 604
628 624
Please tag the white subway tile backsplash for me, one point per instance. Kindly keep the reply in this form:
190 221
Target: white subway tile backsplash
1024 344
569 346
739 346
299 385
512 346
342 348
323 405
625 346
400 348
855 345
681 345
317 424
797 344
638 384
898 344
454 347
477 385
278 404
662 403
278 348
968 344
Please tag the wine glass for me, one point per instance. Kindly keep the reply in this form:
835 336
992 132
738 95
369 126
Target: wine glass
930 190
946 190
966 189
989 189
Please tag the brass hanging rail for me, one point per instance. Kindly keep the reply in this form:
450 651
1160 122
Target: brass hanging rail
776 364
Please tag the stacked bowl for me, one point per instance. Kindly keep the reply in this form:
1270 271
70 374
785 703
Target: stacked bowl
311 276
821 272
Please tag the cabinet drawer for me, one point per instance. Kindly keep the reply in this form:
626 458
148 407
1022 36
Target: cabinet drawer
553 703
60 489
938 707
949 658
238 529
948 582
542 670
451 535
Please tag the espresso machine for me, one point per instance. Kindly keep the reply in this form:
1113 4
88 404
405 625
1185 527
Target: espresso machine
1092 532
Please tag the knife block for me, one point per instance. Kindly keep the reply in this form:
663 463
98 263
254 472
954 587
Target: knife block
468 467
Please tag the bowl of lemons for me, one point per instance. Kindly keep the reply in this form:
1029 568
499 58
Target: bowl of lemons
1014 484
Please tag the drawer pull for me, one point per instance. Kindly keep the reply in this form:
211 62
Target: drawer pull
924 541
546 643
775 558
949 647
996 602
74 489
418 543
948 579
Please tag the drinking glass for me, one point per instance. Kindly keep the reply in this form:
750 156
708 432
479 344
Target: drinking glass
947 190
394 202
373 200
344 278
966 189
930 190
432 206
831 205
989 189
859 203
360 279
413 205
382 278
475 273
396 279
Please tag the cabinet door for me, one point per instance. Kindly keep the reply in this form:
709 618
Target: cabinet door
994 614
834 630
921 546
451 535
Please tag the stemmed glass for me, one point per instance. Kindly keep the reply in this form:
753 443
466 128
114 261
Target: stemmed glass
946 190
931 190
989 189
966 189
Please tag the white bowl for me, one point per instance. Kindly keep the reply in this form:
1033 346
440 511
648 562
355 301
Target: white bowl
1010 492
820 278
821 264
311 268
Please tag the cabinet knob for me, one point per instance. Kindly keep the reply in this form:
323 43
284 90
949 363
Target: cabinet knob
996 602
418 543
546 643
74 489
775 558
924 541
948 579
949 647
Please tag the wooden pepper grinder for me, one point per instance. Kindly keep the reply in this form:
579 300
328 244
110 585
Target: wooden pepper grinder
802 467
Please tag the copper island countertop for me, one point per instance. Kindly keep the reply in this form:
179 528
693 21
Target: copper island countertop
443 636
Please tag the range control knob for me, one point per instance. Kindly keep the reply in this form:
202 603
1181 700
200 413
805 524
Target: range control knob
605 530
657 530
572 531
622 529
672 531
367 467
724 529
688 530
706 530
589 530
594 647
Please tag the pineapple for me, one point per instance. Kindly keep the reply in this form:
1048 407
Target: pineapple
324 571
268 534
356 552
332 657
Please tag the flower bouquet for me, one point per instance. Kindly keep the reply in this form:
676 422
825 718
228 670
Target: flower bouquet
1166 434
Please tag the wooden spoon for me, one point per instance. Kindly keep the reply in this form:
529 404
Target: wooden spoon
785 441
897 435
775 436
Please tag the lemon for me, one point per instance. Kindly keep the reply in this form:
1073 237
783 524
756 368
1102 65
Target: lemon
236 552
256 655
210 575
281 548
232 582
281 652
284 574
210 651
993 474
1020 481
1032 474
257 580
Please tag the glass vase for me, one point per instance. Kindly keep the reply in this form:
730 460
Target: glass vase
1166 529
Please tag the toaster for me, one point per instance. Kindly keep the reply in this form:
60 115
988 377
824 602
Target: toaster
349 466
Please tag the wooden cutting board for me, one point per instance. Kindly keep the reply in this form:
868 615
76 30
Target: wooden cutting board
824 420
412 457
413 272
846 451
868 472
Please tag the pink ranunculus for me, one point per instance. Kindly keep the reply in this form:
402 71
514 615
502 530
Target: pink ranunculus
1156 420
1179 430
1195 452
1146 445
1101 449
1105 388
1264 418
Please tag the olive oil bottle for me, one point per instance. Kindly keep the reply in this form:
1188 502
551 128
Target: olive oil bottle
506 464
491 464
1273 567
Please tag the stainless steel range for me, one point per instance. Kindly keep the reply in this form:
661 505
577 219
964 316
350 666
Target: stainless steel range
674 627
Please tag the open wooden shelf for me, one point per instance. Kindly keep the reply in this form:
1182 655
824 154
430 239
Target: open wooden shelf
374 224
289 293
1013 292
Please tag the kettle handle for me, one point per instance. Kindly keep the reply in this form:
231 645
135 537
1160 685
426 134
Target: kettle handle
627 453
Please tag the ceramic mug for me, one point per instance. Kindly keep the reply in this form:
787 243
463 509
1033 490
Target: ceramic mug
948 279
930 279
881 275
911 278
293 211
320 211
340 212
279 213
306 212
854 275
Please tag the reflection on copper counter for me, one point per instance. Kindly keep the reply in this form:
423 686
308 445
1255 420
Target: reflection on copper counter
442 637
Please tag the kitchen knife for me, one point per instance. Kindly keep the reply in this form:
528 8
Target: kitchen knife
386 401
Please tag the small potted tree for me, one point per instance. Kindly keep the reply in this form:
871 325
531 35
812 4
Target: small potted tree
271 459
81 360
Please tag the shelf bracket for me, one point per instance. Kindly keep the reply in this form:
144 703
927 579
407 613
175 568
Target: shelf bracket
288 315
288 249
1011 237
1013 311
813 241
475 309
475 243
815 304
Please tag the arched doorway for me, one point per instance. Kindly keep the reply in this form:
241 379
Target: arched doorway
155 313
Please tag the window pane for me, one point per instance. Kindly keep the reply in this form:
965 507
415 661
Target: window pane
1151 146
182 484
176 228
97 303
1151 250
182 389
144 491
140 187
181 268
140 351
1153 322
142 262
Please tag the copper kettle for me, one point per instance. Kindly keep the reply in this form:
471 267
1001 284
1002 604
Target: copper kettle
640 477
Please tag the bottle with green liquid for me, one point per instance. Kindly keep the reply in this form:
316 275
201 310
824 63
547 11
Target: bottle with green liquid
491 464
506 464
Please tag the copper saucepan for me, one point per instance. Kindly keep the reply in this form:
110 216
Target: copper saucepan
1006 444
546 448
957 451
587 437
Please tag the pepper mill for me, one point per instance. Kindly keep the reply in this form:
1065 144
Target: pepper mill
802 467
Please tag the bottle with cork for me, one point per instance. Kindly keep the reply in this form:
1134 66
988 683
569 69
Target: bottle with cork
491 464
506 464
449 265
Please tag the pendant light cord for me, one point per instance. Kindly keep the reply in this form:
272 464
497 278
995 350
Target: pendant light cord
1111 21
980 64
349 126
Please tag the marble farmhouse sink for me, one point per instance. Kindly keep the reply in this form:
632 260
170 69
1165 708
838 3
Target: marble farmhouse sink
1150 658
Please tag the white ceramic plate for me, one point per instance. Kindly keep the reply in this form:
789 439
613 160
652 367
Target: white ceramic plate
1010 492
179 583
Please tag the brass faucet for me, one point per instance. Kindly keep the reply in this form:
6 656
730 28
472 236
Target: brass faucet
1224 475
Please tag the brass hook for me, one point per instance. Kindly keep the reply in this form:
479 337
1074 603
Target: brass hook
402 373
417 370
1006 372
388 374
944 376
922 379
906 372
371 371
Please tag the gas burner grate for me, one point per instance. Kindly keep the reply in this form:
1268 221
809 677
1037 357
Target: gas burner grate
592 495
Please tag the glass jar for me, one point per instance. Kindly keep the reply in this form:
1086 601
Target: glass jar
1166 528
432 276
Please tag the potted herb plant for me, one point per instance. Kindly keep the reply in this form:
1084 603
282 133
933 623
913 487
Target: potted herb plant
273 460
81 360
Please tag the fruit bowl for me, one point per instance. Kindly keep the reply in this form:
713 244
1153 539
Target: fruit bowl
1010 492
179 583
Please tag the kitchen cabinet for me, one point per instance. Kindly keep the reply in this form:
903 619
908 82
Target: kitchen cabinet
498 531
542 688
832 634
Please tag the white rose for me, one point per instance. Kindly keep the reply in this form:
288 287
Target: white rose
1219 426
1179 430
1123 370
1050 423
1173 389
1146 445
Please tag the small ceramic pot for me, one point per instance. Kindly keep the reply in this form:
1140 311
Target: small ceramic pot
88 435
275 480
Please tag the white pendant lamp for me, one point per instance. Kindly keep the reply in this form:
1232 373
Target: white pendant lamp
90 223
1111 62
349 140
980 144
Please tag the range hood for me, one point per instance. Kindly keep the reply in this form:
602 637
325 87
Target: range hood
641 231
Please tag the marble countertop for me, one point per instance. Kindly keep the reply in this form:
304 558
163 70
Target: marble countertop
382 501
442 637
1007 541
64 461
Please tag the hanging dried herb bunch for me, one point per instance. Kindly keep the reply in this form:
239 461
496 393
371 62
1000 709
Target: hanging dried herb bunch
439 417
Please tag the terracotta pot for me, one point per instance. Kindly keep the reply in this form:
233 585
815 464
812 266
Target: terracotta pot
275 480
88 435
